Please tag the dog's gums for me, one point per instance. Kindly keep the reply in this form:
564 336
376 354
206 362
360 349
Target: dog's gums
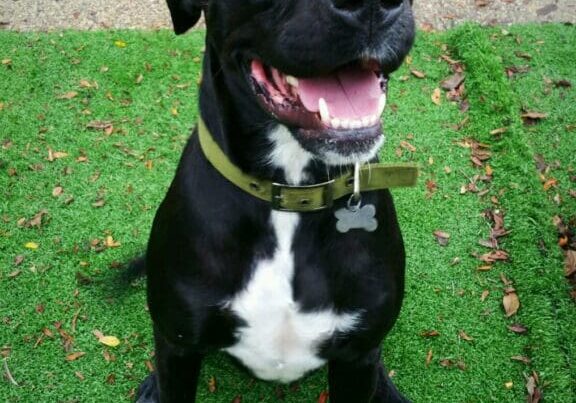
351 98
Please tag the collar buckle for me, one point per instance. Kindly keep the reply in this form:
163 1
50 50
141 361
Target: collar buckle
302 198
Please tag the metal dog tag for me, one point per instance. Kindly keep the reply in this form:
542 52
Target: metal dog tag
354 215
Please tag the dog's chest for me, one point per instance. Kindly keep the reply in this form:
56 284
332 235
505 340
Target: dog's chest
280 342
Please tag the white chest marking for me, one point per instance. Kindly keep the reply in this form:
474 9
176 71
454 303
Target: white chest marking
279 342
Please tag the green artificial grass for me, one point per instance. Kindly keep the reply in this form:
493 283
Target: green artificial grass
137 91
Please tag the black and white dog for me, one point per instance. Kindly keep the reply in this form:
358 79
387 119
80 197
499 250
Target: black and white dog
292 92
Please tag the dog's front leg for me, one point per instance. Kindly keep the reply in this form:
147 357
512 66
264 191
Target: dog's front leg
362 381
176 376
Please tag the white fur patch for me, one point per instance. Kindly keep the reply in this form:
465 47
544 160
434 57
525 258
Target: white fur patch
279 341
289 155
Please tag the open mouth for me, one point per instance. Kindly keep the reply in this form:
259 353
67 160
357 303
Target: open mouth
350 98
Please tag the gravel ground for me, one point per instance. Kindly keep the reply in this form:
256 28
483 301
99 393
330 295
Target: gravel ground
43 15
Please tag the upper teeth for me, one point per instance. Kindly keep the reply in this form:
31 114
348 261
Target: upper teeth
352 123
293 81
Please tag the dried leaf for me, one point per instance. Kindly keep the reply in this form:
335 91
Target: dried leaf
484 295
562 84
407 146
500 130
68 95
437 96
465 336
111 243
74 356
429 358
521 358
517 328
212 384
570 263
430 333
442 237
452 82
110 341
511 304
418 74
323 398
57 191
18 260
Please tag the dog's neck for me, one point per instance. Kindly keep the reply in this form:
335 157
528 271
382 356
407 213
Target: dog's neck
253 141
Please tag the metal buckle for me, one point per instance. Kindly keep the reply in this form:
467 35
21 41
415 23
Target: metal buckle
328 194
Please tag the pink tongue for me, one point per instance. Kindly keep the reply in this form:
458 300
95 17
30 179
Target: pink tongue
349 93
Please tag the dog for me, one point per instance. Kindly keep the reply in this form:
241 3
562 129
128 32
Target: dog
258 248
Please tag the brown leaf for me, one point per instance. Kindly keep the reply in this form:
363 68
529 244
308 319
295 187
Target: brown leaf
99 203
562 84
517 328
14 274
550 183
570 263
452 82
237 399
68 95
111 379
531 118
418 74
494 256
18 260
521 358
437 96
74 356
523 55
500 130
36 221
465 336
428 358
407 146
511 304
323 398
484 295
212 384
442 237
57 191
430 333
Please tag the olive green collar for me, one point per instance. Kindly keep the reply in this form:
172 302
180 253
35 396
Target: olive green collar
305 198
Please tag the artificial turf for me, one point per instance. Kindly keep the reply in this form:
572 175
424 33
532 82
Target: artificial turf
92 125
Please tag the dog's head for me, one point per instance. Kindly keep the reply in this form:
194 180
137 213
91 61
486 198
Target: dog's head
319 67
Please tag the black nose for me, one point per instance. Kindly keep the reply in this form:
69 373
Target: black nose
356 5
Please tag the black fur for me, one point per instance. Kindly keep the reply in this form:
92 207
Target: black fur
207 233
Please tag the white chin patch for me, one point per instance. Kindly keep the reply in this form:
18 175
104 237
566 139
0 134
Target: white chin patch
336 159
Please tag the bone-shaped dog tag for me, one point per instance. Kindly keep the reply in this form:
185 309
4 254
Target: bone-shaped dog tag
356 217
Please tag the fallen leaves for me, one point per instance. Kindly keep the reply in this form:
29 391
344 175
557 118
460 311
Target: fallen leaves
531 118
418 74
437 96
534 393
74 356
110 341
68 95
442 237
517 328
510 302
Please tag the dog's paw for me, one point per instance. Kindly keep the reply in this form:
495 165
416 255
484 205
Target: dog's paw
148 390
